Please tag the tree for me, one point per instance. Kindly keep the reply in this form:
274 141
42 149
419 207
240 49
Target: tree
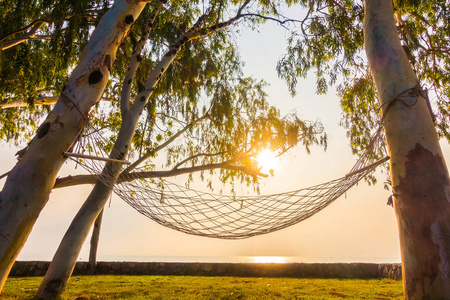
29 183
239 121
329 39
419 175
403 54
228 135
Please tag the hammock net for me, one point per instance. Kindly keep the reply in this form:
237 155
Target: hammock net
224 216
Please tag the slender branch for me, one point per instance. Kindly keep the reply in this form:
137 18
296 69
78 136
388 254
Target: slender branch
119 161
281 22
163 115
4 175
41 100
41 37
398 16
196 156
32 24
74 180
136 59
150 153
23 37
20 102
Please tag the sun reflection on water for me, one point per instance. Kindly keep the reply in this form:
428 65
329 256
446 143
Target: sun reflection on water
269 259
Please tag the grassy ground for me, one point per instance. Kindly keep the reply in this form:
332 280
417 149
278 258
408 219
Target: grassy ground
196 287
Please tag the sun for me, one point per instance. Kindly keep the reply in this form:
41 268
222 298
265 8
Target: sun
269 259
267 161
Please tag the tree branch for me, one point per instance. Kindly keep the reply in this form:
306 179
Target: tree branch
20 102
196 156
23 37
281 22
127 177
41 100
150 153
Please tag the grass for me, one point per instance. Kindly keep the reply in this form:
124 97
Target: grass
197 287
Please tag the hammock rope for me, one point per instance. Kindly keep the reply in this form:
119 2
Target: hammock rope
224 216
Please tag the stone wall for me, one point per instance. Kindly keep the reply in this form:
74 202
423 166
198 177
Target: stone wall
295 270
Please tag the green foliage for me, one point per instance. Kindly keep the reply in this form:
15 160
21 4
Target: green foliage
198 287
16 123
424 30
205 82
40 67
329 40
323 42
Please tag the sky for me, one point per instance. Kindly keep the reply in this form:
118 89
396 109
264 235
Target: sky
358 226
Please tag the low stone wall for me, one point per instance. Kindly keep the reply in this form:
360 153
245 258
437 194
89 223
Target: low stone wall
294 270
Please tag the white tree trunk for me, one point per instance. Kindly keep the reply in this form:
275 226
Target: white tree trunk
419 174
64 260
63 263
28 186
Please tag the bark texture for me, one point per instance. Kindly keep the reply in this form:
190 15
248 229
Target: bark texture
419 174
28 186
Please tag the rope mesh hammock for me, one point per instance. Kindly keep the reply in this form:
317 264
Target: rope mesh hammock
224 216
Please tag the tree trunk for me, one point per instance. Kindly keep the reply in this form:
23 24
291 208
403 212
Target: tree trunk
28 186
63 263
94 243
65 258
419 174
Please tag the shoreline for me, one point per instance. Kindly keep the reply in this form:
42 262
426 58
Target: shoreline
293 270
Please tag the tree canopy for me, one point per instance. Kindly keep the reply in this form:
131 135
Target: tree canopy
197 105
40 41
205 82
329 41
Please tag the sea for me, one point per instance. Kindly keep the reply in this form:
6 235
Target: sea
248 259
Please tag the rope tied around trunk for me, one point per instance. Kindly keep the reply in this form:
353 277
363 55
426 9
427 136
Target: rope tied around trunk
414 92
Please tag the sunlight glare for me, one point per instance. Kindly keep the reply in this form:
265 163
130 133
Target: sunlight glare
269 259
267 160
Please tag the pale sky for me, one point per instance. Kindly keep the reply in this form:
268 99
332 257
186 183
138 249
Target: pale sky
358 225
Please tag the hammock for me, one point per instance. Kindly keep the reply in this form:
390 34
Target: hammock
227 216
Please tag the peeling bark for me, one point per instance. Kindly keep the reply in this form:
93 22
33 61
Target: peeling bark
423 212
419 174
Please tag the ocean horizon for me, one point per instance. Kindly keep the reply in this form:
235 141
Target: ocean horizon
236 259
